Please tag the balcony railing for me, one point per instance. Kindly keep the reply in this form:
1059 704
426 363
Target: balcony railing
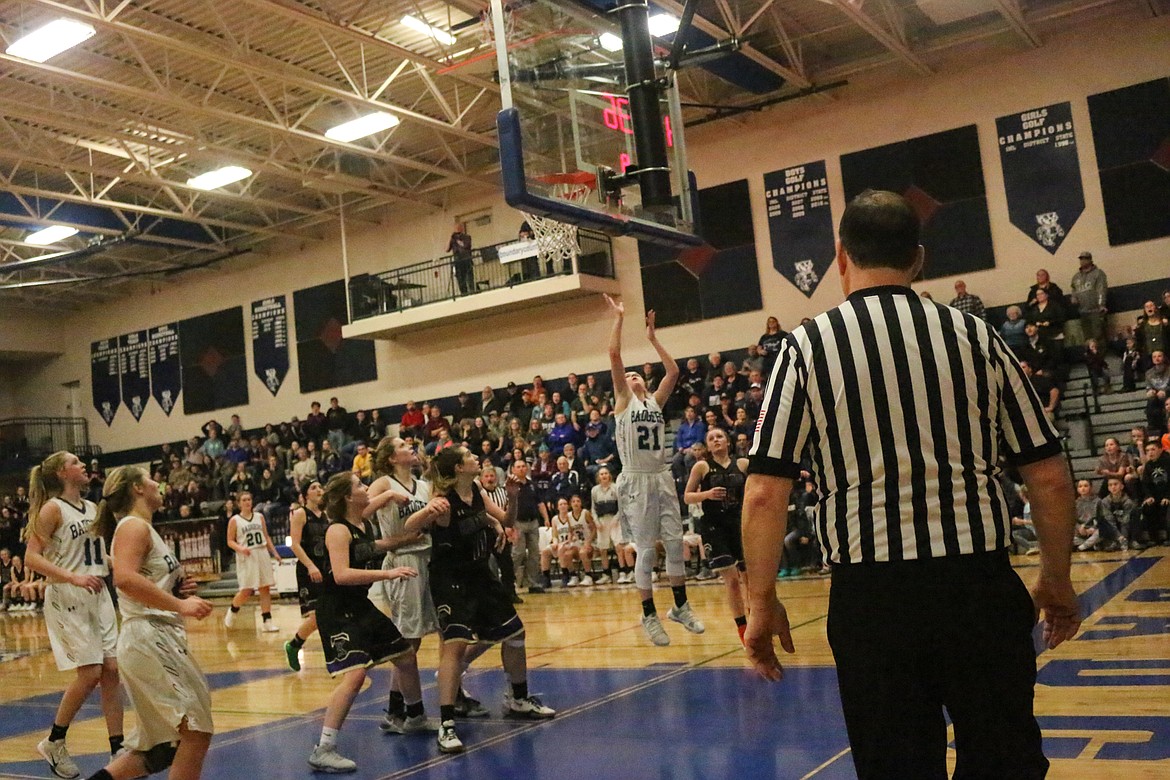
25 440
493 267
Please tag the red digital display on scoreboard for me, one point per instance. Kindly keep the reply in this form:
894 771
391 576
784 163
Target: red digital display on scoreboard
617 117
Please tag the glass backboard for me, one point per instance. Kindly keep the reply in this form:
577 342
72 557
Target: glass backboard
566 131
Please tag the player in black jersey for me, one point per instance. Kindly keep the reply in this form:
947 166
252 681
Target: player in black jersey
307 528
717 483
355 634
473 606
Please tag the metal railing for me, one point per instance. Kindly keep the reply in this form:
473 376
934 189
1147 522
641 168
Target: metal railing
446 278
36 437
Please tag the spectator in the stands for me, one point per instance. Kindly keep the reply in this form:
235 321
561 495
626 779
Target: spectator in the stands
1152 331
516 401
1038 351
733 382
363 463
967 302
1097 366
542 472
459 246
1088 292
538 387
468 407
690 430
497 425
1120 509
1157 390
753 361
213 447
691 379
337 424
1043 282
235 429
315 424
546 416
329 462
577 465
1132 362
236 453
435 423
715 391
713 366
1045 388
1048 317
412 421
560 405
1156 488
241 481
754 401
770 343
489 402
535 434
565 483
1115 463
743 444
1012 329
272 494
562 432
580 406
598 450
1136 449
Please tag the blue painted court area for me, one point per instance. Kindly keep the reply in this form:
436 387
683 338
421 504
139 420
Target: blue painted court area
653 723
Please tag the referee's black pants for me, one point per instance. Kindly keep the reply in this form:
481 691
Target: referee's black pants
912 638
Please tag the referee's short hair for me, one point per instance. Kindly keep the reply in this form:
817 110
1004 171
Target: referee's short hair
880 229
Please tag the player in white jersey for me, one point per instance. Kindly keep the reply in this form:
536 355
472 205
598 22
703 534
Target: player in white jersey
646 494
166 687
395 496
79 613
572 540
247 534
604 500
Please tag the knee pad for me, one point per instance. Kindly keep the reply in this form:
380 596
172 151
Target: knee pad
644 568
159 757
674 558
516 642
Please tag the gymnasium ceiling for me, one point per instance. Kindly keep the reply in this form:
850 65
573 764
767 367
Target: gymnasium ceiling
104 136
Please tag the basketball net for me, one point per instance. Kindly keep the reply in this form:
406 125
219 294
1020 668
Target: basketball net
556 242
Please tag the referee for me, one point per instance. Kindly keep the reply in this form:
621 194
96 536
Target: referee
906 408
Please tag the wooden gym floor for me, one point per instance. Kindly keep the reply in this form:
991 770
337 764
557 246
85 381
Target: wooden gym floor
626 708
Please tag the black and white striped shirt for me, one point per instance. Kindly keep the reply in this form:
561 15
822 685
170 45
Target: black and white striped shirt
499 497
904 407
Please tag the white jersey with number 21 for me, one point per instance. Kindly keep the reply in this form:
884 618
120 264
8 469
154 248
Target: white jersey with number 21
641 436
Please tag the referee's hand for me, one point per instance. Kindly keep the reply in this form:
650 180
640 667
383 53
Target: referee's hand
1056 602
764 622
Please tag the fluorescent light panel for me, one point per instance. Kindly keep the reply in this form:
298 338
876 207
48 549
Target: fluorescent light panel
662 25
610 42
51 235
219 177
418 25
48 41
362 126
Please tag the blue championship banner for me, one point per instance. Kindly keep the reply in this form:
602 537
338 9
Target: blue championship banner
800 223
134 368
103 372
1041 174
166 367
270 341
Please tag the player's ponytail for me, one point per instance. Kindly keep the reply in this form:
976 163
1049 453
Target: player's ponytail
441 473
43 484
117 499
337 493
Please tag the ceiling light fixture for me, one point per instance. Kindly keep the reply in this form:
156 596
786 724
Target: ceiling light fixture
610 42
50 235
220 177
362 126
662 25
48 41
418 25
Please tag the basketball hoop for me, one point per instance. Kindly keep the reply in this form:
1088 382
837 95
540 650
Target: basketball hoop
556 240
